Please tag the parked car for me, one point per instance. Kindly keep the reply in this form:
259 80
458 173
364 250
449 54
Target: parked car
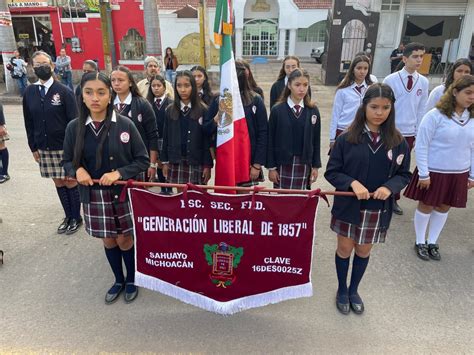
317 54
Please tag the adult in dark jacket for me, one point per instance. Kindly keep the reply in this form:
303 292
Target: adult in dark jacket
104 145
48 106
294 136
257 125
289 64
128 102
371 156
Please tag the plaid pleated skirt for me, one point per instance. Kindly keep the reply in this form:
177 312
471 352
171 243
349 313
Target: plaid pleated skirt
51 164
367 232
183 173
445 189
294 176
106 218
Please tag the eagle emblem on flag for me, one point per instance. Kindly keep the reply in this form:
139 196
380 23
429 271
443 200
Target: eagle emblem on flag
225 108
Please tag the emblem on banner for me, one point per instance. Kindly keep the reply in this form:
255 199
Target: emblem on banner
224 259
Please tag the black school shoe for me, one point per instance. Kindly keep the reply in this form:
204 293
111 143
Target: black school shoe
433 251
73 226
112 294
131 292
422 251
63 226
342 304
356 304
397 209
4 178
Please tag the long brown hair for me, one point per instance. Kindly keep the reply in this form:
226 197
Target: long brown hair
447 103
246 93
295 74
133 88
282 73
389 134
457 64
350 77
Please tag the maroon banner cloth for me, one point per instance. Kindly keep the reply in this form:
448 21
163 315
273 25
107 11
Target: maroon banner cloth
224 253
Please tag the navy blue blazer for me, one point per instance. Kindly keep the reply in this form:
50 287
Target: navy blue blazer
280 139
349 162
46 119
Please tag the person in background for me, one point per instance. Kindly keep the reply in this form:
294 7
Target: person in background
253 85
88 66
289 64
171 64
370 156
349 95
411 91
48 106
64 69
396 57
152 68
461 67
129 103
4 156
445 164
202 84
17 67
294 136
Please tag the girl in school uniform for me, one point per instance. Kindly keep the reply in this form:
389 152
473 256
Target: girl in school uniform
252 83
349 95
48 106
202 84
290 63
159 100
4 156
129 103
445 164
294 136
461 67
370 156
186 157
257 125
102 144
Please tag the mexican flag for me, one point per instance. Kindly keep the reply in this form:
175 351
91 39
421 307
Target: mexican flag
233 143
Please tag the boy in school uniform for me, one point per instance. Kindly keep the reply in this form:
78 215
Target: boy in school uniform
411 95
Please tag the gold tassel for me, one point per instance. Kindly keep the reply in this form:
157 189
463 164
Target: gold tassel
227 28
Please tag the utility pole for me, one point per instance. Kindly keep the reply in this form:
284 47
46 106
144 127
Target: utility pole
106 28
7 45
152 28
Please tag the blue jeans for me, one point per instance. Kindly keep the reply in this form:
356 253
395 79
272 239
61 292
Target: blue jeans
22 84
66 79
170 75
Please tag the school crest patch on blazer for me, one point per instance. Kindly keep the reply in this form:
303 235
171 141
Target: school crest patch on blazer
56 100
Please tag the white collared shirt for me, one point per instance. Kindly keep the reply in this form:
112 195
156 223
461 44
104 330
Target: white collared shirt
47 84
404 75
346 104
113 119
286 80
162 98
182 106
292 105
127 101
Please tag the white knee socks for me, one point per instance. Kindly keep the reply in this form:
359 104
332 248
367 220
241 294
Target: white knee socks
421 224
437 222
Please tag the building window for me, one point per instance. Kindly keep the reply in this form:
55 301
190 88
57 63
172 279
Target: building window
132 46
314 33
260 37
390 5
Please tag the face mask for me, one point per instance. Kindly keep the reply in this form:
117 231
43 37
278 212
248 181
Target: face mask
43 72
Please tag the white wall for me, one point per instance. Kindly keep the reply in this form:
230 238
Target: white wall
303 49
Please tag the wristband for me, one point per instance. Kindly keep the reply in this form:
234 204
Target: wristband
253 166
153 165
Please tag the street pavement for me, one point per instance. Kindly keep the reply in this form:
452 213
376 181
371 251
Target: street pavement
52 287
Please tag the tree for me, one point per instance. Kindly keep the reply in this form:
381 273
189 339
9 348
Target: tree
7 44
152 28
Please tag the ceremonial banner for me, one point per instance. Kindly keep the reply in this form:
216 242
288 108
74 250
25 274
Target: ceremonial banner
224 253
